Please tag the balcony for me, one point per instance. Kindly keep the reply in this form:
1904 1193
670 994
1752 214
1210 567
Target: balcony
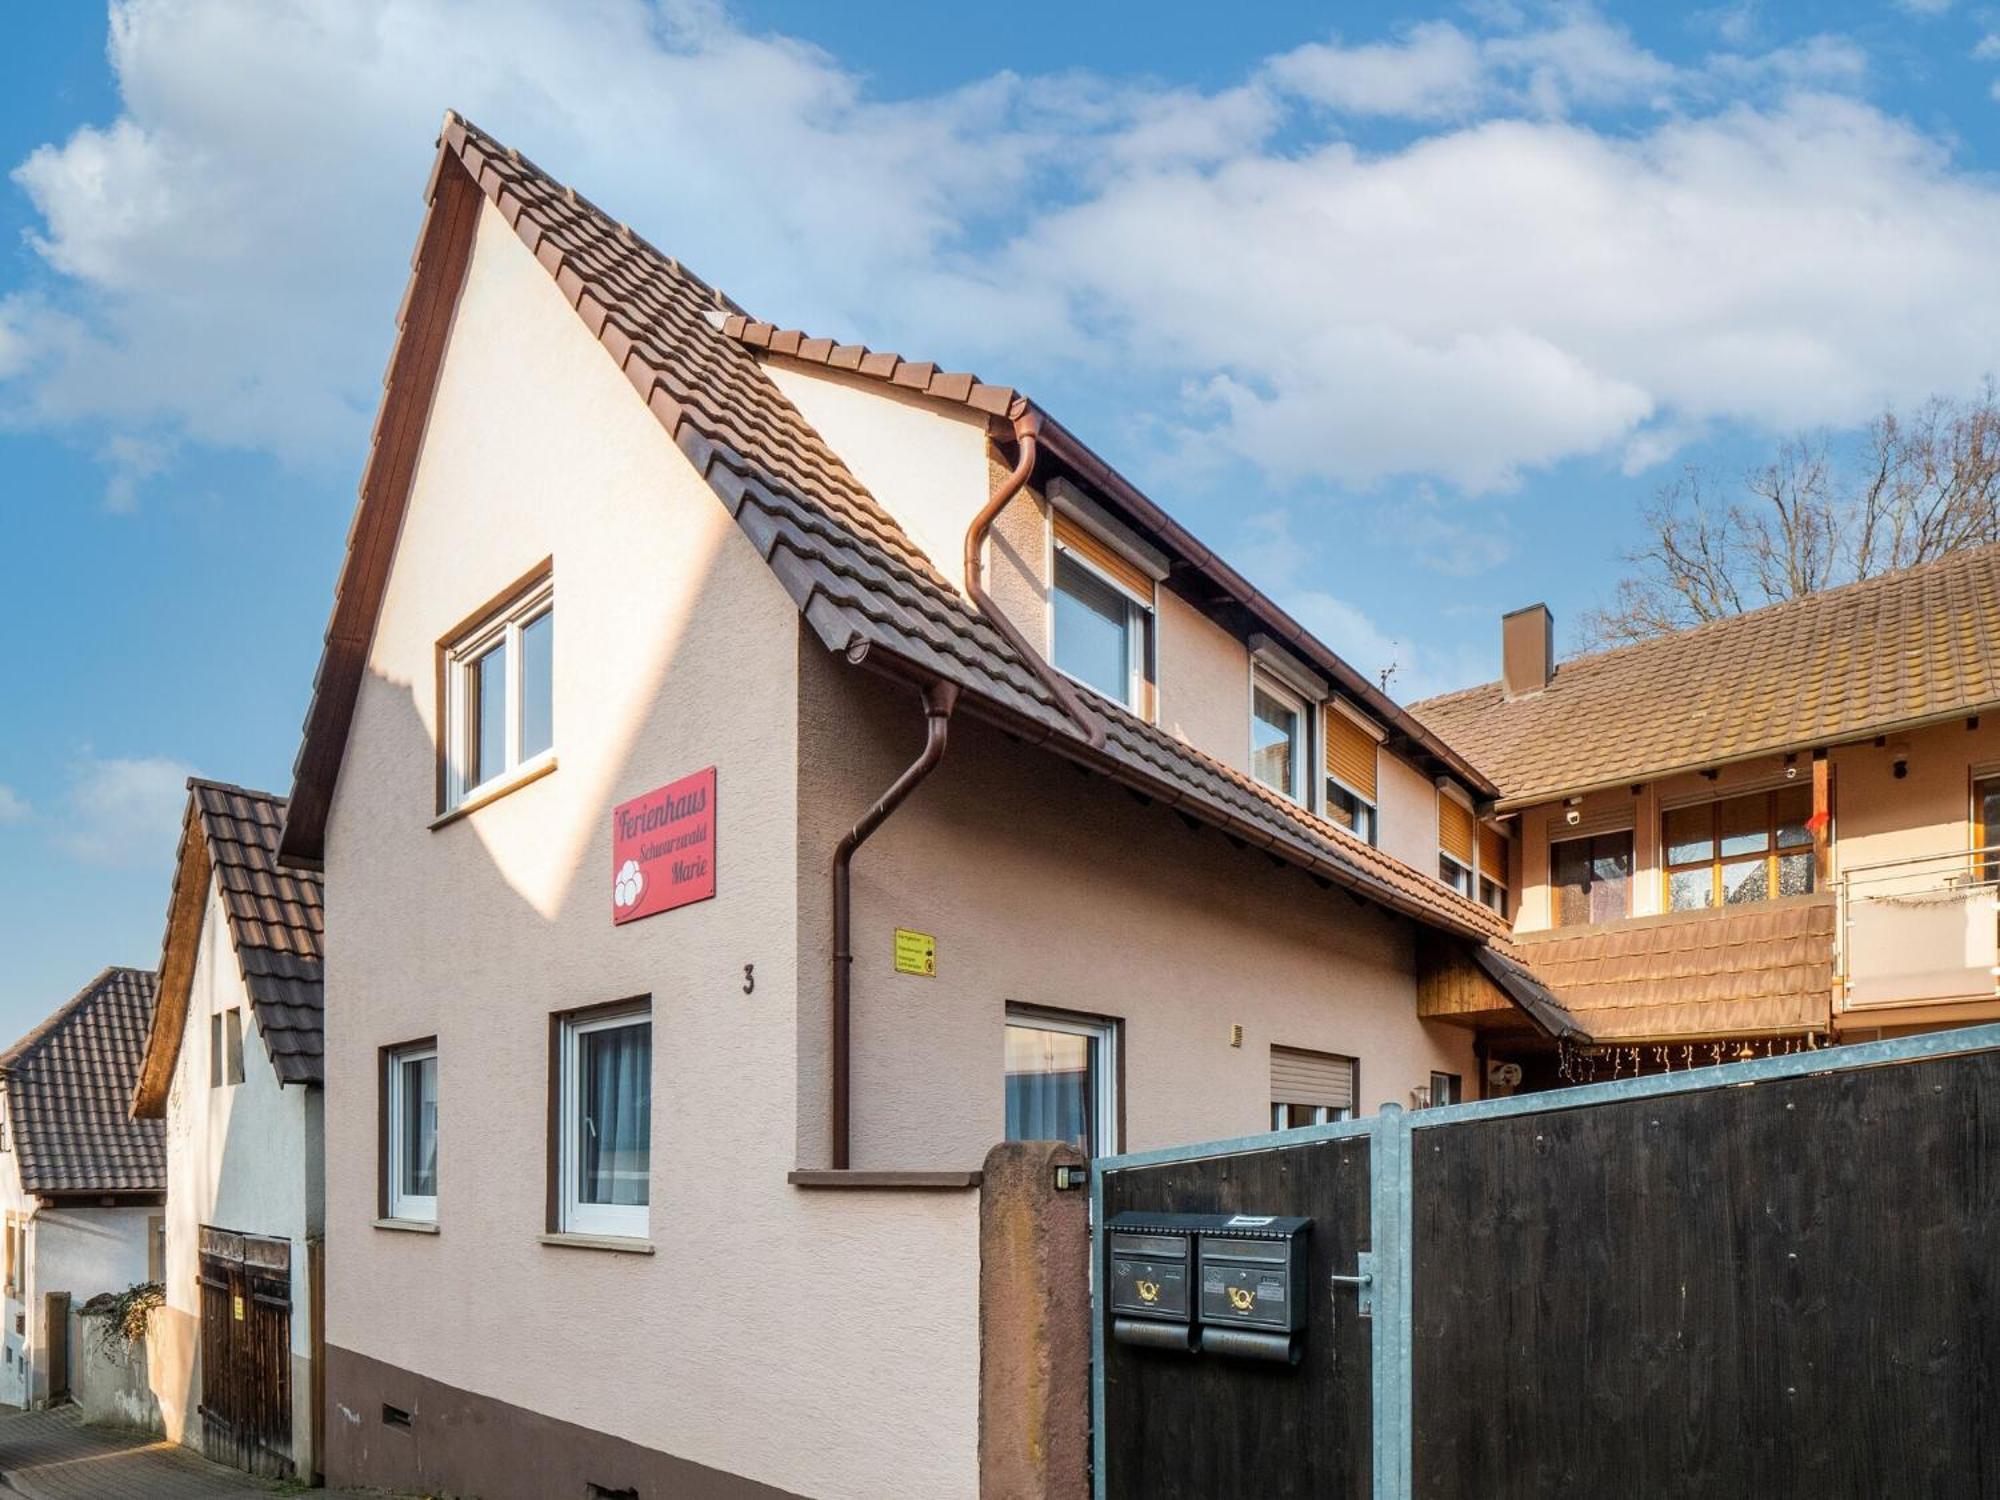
1919 931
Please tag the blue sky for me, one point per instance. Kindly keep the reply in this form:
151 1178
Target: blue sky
1406 309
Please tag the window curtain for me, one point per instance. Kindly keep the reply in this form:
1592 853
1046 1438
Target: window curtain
617 1126
1049 1086
420 1127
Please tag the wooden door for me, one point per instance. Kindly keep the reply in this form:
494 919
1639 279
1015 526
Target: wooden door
246 1351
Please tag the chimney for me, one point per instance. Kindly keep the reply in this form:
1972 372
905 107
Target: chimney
1527 651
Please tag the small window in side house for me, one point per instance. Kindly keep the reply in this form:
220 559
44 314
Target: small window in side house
1446 1088
1350 774
1456 827
1103 618
225 1047
1311 1088
411 1152
1277 738
1591 878
1061 1079
606 1145
156 1248
500 696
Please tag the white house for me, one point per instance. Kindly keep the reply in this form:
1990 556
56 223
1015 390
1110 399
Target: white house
233 1067
81 1183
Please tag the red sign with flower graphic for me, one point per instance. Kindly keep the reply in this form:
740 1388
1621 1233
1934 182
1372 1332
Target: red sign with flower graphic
663 848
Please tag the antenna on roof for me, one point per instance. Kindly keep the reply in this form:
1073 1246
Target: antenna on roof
1382 677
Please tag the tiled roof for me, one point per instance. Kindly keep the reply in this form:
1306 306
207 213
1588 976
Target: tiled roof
276 918
1894 651
1764 970
229 840
861 583
69 1084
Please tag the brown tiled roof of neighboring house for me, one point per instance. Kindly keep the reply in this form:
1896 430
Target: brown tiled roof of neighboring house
68 1085
1895 652
229 834
1739 971
863 586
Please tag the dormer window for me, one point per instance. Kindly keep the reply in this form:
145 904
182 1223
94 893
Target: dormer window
1277 737
1350 774
1456 829
1102 627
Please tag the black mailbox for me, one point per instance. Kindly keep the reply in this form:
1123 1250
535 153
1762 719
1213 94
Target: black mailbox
1222 1283
1150 1270
1253 1286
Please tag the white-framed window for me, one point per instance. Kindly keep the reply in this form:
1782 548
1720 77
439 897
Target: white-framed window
1350 811
1278 734
500 695
1454 874
1062 1079
606 1121
225 1047
1446 1089
1311 1088
1458 832
411 1153
1350 787
1101 618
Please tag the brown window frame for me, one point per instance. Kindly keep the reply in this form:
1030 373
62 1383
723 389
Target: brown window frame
1716 861
1555 889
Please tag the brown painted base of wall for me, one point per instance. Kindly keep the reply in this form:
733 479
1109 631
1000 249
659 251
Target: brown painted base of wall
464 1446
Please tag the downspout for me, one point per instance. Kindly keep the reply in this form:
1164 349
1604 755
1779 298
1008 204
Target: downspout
939 699
1027 437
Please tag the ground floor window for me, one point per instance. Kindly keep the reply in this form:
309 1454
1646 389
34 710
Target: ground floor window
606 1114
411 1077
1311 1088
1062 1079
1447 1088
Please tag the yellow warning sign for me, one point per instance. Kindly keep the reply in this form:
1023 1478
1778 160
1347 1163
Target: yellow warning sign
236 1306
916 953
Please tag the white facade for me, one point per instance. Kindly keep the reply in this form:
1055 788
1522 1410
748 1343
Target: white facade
243 1157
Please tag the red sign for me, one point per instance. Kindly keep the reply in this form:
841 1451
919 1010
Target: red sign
663 848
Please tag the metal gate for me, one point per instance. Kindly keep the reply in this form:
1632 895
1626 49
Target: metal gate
1773 1278
246 1351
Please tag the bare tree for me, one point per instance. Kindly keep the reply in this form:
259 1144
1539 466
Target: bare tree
1911 488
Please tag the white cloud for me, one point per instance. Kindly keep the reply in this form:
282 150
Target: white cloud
1924 8
1518 282
13 806
124 812
1988 47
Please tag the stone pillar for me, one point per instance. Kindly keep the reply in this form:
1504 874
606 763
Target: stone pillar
1034 1325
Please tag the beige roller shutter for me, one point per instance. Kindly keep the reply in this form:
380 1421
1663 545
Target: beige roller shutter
1350 754
1113 564
1313 1078
1493 854
1455 827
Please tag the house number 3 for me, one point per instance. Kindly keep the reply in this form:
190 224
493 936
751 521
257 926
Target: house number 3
749 979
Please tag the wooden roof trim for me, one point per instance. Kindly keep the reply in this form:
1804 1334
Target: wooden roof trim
430 302
187 904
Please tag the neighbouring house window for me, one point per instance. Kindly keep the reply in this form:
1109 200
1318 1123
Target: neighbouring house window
1591 877
13 1255
1311 1088
1350 774
1446 1088
607 1121
1277 738
1986 826
1103 618
156 1248
1455 832
412 1147
500 696
225 1047
1493 890
1739 850
1062 1079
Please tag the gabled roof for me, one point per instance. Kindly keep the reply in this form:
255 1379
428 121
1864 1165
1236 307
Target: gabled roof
68 1084
863 586
229 837
1892 653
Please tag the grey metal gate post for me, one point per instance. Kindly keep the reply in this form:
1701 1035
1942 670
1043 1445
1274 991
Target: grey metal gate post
1390 1233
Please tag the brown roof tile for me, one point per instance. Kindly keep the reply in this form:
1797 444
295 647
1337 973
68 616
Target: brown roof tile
69 1087
1917 645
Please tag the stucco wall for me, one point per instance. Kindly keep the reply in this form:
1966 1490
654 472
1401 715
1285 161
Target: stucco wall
82 1251
237 1159
753 1340
1045 888
1408 814
1204 682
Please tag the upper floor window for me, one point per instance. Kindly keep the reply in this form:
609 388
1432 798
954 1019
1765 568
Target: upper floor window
1591 878
1493 881
1103 618
1456 832
1277 738
500 695
225 1047
1741 849
1350 775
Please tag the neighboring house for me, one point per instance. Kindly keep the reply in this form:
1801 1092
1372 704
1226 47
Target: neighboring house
1770 832
645 607
233 1067
81 1183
